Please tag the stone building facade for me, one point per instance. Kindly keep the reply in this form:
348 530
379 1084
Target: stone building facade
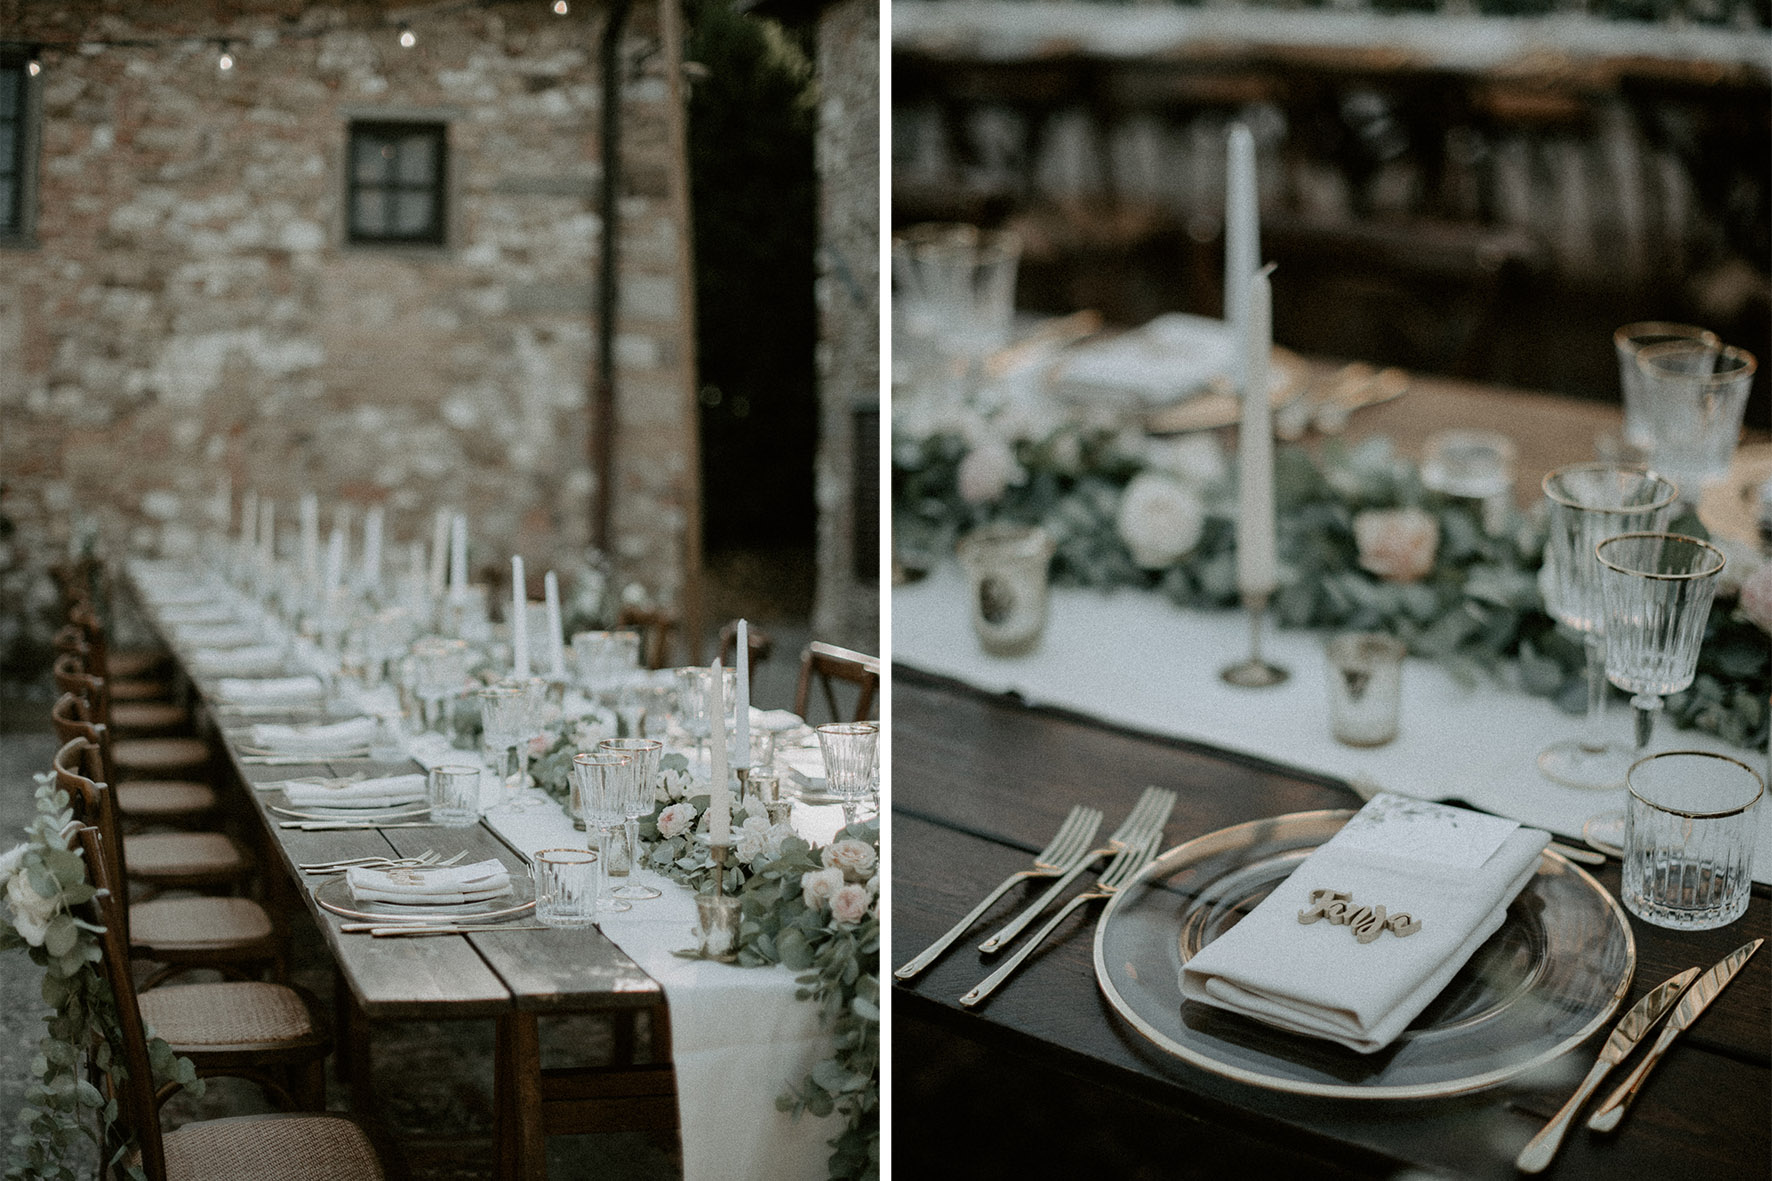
185 311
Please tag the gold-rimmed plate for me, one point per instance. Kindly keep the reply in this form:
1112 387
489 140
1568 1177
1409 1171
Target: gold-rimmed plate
335 895
1560 965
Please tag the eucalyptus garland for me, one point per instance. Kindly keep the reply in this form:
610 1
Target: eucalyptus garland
44 881
812 909
1366 546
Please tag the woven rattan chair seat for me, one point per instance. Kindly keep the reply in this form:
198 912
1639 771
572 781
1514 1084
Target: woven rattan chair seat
169 923
274 1148
162 854
148 715
232 1013
147 798
139 689
134 662
150 756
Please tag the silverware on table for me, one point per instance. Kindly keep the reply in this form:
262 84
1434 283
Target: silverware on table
1067 849
460 929
1126 865
1631 1029
301 760
1150 814
352 825
1697 999
379 860
293 814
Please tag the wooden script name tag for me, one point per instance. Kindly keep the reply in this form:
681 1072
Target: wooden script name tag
1366 922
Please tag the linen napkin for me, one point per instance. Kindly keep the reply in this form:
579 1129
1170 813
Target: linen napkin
384 792
216 635
330 738
1451 870
442 885
237 662
269 690
206 612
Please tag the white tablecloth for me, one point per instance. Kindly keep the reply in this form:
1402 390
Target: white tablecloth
1135 659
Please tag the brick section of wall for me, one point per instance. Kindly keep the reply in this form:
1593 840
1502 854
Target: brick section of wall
190 313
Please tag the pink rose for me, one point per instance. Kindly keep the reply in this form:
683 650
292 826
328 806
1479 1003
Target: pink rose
819 887
1398 545
850 904
987 471
854 858
1756 597
676 820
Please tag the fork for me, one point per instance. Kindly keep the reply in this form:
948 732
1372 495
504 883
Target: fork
426 858
1151 813
1126 865
1068 848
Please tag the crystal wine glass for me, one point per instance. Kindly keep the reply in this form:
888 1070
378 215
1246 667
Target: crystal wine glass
851 750
440 664
644 754
501 728
1588 503
1632 339
1658 589
1695 393
602 778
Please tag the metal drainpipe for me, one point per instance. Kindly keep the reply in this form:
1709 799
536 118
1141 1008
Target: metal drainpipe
609 212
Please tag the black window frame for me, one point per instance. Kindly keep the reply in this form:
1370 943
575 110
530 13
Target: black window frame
19 172
387 131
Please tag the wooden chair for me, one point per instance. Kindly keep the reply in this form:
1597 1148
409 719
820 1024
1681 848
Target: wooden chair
827 664
161 860
757 640
136 707
179 802
166 757
655 625
287 1147
85 584
234 936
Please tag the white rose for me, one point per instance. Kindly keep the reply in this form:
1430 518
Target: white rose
1756 597
676 820
778 835
31 911
819 887
752 837
1196 460
1398 545
1159 520
854 858
987 472
673 785
850 904
12 859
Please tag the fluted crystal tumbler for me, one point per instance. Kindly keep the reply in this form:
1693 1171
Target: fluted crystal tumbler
1689 839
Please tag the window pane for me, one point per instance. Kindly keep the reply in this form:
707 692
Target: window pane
417 161
10 78
366 213
8 144
372 161
8 218
412 213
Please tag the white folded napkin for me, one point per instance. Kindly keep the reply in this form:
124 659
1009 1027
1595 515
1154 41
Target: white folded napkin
776 719
269 690
216 635
448 884
1172 356
384 792
1452 870
207 612
330 737
237 662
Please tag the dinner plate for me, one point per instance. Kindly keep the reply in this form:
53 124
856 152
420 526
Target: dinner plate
1558 967
335 895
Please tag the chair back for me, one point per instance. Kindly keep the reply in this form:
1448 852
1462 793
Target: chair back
73 717
756 639
828 664
97 656
654 625
138 1113
77 773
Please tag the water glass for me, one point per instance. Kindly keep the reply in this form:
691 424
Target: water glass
955 287
1695 395
695 700
851 752
601 780
1658 589
1474 465
1690 827
452 791
565 887
642 797
1365 688
440 665
501 728
1639 423
1008 567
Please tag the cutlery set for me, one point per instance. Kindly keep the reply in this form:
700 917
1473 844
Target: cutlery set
1071 852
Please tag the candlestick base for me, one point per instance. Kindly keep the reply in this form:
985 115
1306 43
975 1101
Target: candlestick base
720 854
1255 672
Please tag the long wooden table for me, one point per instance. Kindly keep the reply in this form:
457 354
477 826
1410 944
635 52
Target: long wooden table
510 977
1046 1079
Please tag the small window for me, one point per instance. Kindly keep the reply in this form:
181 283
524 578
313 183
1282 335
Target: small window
397 175
13 162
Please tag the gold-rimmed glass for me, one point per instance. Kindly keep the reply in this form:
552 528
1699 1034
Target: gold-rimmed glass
1628 342
1689 839
601 779
1658 589
851 753
1694 394
644 754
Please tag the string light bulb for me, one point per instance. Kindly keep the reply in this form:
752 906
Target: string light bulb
226 61
407 37
560 8
33 67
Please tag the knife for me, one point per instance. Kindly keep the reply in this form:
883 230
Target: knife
1691 1005
1630 1030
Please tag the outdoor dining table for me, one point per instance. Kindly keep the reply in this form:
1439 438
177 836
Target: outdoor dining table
1049 1077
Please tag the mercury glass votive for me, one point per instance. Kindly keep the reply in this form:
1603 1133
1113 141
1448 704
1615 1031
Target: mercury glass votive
1008 567
717 936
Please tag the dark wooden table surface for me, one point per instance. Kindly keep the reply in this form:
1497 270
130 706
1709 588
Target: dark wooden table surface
1046 1077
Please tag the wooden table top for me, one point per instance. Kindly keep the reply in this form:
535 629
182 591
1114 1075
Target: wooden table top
1046 1076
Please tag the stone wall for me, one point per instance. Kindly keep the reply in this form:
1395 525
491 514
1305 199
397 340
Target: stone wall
189 315
847 606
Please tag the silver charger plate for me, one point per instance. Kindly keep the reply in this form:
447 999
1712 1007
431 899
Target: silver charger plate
1558 968
335 895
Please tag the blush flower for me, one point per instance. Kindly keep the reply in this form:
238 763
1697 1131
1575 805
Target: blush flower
1159 520
819 887
987 472
1398 545
855 858
676 820
850 904
1756 597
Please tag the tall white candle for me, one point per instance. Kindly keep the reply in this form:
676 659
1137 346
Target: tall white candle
249 519
556 639
439 551
372 522
1242 232
719 796
267 527
519 620
458 557
416 576
310 538
741 727
335 563
1257 568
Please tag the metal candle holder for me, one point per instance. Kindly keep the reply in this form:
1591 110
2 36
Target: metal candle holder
1255 672
721 853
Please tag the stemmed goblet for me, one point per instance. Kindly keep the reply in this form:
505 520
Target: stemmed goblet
1590 502
534 722
501 728
603 778
850 752
1695 392
644 754
439 664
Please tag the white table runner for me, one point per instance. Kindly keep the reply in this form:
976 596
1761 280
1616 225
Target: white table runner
1135 659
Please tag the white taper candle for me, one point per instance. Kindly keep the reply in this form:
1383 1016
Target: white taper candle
719 797
1257 565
